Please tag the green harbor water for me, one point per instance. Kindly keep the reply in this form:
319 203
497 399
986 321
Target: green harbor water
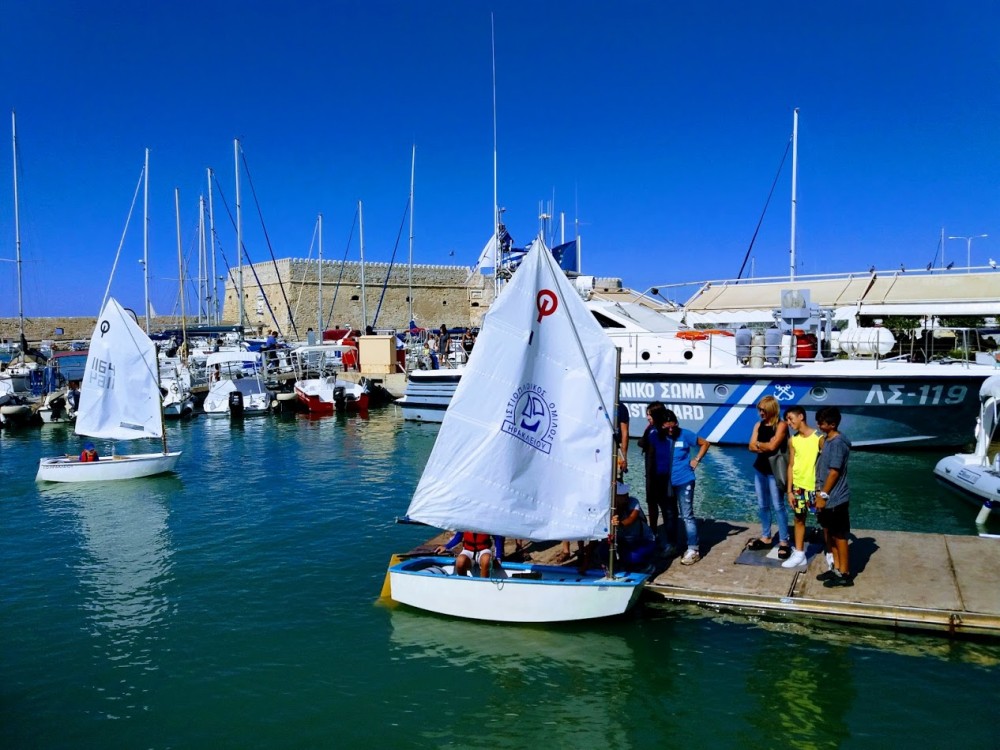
235 605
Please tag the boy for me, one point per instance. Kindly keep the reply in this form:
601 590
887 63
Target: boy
833 496
803 449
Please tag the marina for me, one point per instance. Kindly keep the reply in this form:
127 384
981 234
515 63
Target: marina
247 614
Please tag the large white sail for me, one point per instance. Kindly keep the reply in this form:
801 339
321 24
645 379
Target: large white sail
525 448
119 395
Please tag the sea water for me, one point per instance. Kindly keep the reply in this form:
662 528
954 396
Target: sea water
235 605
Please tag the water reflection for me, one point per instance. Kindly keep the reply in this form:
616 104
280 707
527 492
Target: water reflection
123 574
520 686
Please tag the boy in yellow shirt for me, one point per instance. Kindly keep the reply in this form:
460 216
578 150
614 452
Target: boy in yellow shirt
803 450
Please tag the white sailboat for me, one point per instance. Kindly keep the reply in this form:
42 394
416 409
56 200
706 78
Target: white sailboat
525 451
119 400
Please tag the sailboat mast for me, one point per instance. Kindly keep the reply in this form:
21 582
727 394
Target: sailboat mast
17 228
795 174
319 300
361 239
180 267
211 231
239 231
496 204
409 285
145 237
202 263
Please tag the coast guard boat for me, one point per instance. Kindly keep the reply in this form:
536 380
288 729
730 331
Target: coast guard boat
712 379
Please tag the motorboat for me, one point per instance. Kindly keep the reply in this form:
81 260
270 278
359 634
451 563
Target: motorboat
713 378
237 387
976 475
319 386
175 386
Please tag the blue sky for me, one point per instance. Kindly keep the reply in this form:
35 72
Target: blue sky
659 126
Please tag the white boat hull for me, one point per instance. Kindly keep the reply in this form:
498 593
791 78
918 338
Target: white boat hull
71 469
968 474
523 593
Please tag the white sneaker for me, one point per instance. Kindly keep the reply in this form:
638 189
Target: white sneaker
829 561
690 557
795 559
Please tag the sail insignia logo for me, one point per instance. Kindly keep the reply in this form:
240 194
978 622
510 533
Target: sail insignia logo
531 417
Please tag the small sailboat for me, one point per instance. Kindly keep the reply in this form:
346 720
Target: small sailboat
119 400
525 451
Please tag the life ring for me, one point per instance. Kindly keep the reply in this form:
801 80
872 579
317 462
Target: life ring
692 335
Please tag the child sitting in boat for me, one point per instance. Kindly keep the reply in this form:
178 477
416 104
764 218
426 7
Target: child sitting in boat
89 453
476 548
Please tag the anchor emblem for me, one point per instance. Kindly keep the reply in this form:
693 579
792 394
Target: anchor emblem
784 392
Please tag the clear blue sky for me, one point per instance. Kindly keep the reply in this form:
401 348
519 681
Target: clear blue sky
659 125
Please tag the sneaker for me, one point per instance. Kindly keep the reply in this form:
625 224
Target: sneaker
828 575
838 581
690 557
829 561
795 560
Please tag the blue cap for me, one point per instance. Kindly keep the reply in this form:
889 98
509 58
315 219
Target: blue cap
88 446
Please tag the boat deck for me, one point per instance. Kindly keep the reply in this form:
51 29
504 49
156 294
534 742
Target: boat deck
904 580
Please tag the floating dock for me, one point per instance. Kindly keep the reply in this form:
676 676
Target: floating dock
902 580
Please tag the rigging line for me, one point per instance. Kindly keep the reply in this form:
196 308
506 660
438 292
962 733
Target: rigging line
340 278
267 239
766 204
121 242
302 281
229 268
392 260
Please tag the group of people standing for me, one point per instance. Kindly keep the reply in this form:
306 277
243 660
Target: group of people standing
796 466
803 468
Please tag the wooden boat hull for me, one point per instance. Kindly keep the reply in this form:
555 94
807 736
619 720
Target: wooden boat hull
522 593
70 469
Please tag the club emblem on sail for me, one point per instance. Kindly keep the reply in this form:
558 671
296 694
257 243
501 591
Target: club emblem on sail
531 418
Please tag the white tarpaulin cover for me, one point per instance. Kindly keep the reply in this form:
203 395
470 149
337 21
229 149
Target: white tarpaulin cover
119 395
525 448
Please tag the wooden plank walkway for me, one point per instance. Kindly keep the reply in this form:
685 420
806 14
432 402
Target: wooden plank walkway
902 580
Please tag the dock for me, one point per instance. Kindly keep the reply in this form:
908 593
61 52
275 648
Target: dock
904 580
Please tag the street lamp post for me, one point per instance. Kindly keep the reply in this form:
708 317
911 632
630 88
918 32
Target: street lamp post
968 248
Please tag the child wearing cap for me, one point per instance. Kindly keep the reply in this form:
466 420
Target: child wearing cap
89 453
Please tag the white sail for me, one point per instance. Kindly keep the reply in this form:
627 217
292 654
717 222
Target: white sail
119 395
525 448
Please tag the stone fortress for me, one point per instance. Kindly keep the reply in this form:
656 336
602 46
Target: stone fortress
276 294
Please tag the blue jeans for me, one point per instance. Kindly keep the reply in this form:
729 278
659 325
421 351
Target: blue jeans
770 505
685 502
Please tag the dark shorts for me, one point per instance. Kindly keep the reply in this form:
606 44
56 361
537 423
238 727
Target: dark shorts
836 520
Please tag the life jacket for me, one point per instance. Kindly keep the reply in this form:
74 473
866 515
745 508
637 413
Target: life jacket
476 542
86 457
